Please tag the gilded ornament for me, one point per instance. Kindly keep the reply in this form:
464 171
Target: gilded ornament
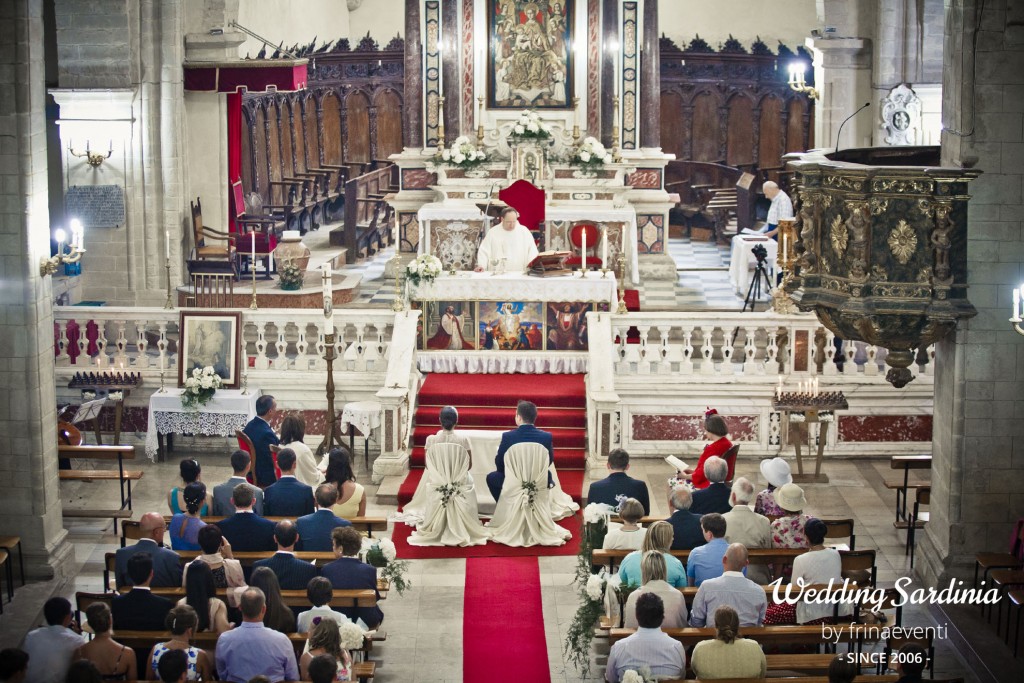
879 274
902 242
879 206
839 235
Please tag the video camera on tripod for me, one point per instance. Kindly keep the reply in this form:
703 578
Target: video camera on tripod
759 252
760 278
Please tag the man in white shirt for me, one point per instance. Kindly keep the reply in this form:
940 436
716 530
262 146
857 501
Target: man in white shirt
733 589
649 647
320 592
781 208
508 246
743 525
50 647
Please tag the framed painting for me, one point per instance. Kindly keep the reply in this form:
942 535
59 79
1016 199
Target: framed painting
567 325
448 326
529 54
210 338
511 326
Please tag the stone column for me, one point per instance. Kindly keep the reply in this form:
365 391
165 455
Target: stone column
450 68
609 33
978 442
31 504
842 75
650 80
412 107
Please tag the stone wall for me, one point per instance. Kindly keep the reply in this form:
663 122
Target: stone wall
978 445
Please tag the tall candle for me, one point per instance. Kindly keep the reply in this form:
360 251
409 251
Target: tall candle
604 248
785 253
584 249
328 299
167 244
440 66
252 240
1016 304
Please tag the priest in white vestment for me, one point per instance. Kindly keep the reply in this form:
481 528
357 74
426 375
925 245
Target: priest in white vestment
509 241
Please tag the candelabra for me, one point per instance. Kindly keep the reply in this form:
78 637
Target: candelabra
398 305
781 303
622 310
162 389
168 303
48 266
575 123
480 122
331 436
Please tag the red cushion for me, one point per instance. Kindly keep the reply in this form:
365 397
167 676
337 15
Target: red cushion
592 262
265 243
528 200
592 232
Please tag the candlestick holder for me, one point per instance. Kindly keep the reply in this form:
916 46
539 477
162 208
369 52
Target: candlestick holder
781 303
575 135
168 304
331 436
622 310
440 123
252 303
479 121
398 305
245 379
162 388
616 157
604 271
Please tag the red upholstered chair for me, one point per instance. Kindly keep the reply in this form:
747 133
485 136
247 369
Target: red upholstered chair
528 200
245 444
593 234
248 228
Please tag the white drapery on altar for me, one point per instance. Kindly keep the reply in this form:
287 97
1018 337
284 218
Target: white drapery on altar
468 286
496 362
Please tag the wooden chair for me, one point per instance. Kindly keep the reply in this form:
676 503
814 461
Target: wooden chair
1016 600
730 458
221 250
894 643
84 600
859 566
250 229
4 557
840 528
918 518
9 543
1011 560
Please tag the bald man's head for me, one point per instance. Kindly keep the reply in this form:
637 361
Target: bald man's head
152 525
735 558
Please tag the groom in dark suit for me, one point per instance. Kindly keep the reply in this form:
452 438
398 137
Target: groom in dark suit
263 437
525 432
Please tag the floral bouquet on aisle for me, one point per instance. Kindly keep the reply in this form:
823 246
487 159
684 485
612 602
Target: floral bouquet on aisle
200 387
463 154
423 268
381 553
591 154
529 127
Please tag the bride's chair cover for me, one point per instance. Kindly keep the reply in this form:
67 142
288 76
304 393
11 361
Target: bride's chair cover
454 524
517 521
562 504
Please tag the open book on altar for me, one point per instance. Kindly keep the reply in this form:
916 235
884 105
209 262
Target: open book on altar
549 264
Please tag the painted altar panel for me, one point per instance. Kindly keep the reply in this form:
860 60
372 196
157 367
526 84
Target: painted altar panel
448 326
530 58
511 325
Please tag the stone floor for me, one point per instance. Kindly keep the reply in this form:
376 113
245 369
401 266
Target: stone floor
425 626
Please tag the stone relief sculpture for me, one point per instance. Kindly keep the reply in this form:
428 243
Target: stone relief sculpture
901 116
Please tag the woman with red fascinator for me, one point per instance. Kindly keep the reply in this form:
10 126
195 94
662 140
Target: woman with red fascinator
715 430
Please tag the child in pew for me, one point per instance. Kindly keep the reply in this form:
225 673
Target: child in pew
320 592
630 534
325 639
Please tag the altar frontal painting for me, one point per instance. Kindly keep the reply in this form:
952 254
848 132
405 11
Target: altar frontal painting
511 326
449 326
530 54
567 325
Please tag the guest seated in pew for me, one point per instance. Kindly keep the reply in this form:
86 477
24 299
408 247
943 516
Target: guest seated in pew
715 431
289 497
245 530
685 525
659 538
278 616
201 595
173 667
728 655
743 525
139 609
227 571
525 432
320 592
649 647
263 437
714 498
325 641
184 527
166 563
222 493
191 472
13 665
253 649
337 468
733 589
293 433
654 572
292 573
788 531
115 662
842 670
50 647
778 474
629 535
817 566
182 622
324 669
349 572
705 561
448 418
618 483
315 529
912 661
84 671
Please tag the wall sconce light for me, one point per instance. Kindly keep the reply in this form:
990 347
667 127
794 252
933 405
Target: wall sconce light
94 159
1018 309
48 266
797 83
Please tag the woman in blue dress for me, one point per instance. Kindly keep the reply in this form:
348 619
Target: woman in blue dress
184 527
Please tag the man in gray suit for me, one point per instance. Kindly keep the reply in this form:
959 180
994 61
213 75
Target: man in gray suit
222 505
166 562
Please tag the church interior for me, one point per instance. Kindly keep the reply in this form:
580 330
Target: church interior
307 231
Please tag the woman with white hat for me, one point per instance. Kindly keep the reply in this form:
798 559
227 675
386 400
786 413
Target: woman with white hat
788 530
776 471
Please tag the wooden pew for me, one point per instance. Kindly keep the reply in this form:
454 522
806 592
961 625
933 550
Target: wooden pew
610 558
121 475
292 598
865 678
366 215
767 635
130 529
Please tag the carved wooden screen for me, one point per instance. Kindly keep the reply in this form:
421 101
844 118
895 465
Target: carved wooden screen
795 130
298 132
740 132
704 125
357 118
772 126
389 124
259 148
287 153
273 142
331 106
247 169
673 129
310 123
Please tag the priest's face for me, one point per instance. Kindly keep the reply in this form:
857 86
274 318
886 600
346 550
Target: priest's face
509 220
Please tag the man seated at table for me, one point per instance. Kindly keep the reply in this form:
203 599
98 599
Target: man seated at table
288 497
618 483
508 246
245 530
525 432
241 462
263 437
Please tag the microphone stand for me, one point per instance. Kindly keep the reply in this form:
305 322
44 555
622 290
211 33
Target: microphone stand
840 133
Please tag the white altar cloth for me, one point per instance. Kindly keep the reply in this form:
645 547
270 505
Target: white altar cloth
589 212
228 410
495 362
743 261
470 286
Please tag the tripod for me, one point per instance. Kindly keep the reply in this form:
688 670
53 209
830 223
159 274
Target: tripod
754 290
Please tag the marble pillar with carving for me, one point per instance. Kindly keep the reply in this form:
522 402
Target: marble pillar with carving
609 39
412 122
650 80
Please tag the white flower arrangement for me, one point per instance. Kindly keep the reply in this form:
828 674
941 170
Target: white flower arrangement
463 154
529 127
352 636
673 482
595 586
641 676
382 554
797 417
597 512
200 387
423 268
591 154
826 416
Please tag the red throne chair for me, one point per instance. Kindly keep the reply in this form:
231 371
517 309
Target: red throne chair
576 234
529 201
249 228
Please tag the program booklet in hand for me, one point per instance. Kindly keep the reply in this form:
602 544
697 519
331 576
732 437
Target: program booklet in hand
675 462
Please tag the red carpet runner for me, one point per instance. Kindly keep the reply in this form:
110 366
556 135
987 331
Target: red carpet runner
503 622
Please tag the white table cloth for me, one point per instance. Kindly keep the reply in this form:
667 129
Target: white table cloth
743 261
228 410
469 286
495 362
363 415
600 214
